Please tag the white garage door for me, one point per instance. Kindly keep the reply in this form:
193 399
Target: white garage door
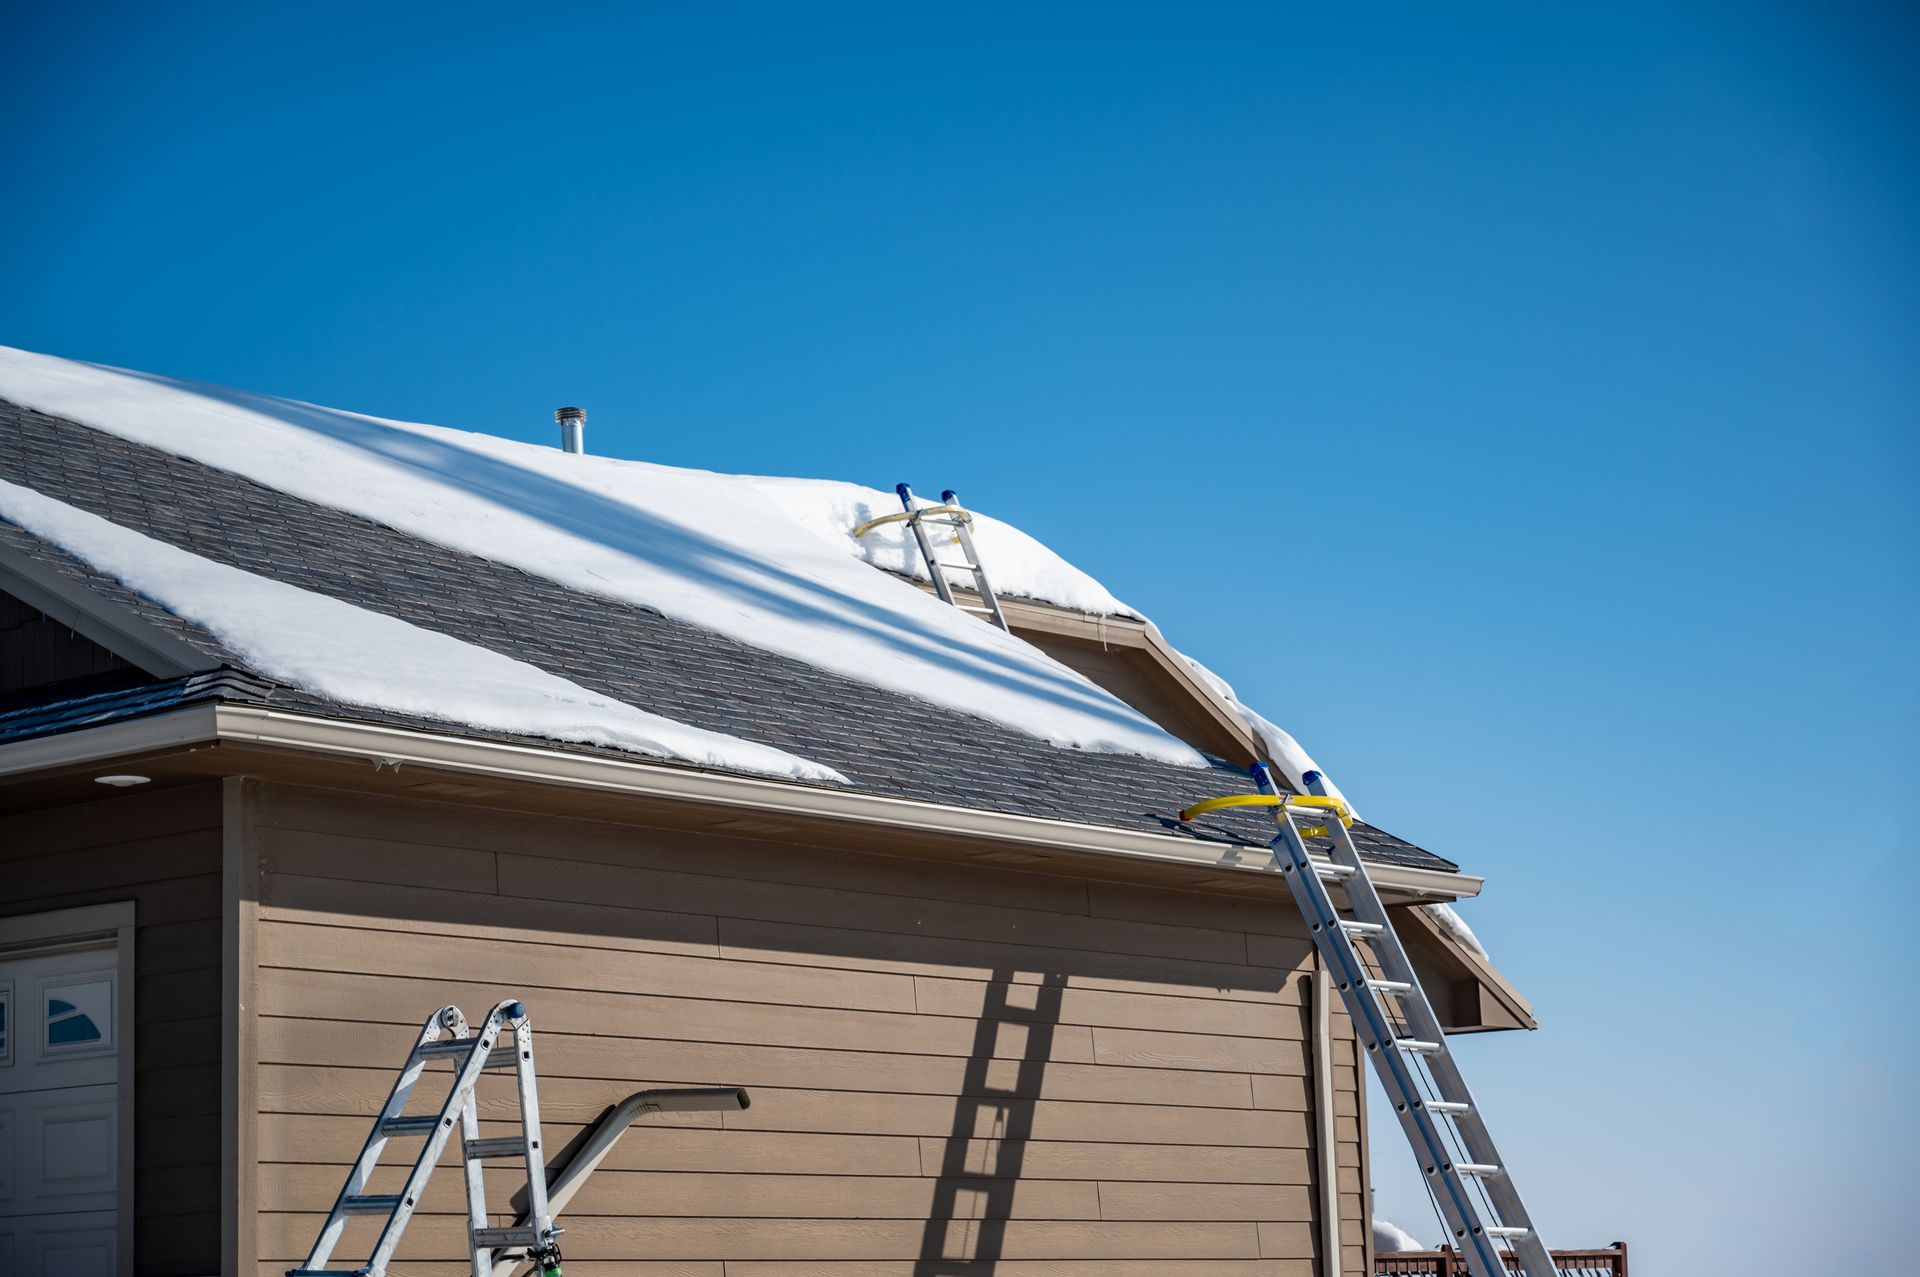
59 1113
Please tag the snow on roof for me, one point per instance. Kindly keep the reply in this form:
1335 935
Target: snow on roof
1017 564
1456 926
1277 746
359 657
769 562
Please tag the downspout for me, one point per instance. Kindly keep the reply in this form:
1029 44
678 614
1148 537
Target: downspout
1325 1145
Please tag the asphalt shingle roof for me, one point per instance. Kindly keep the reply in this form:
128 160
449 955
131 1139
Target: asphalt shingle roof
884 742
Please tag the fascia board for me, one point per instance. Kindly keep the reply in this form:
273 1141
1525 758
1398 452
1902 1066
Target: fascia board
1481 969
501 760
194 725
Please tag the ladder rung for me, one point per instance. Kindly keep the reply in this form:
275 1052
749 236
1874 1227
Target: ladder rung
1415 1046
1502 1231
1365 930
1390 986
1327 869
506 1146
961 567
326 1272
1482 1169
370 1204
528 1236
984 611
499 1058
425 1124
1447 1108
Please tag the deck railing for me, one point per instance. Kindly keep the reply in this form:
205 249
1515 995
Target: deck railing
1611 1262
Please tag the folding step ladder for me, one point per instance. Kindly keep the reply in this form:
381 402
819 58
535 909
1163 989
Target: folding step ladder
471 1053
1395 1024
949 514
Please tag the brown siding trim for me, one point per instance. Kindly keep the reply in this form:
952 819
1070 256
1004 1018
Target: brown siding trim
239 1025
1366 1159
1323 1114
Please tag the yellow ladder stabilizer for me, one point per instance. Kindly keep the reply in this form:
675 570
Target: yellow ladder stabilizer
1334 805
903 516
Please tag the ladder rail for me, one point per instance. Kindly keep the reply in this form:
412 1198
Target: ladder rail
1469 1124
1377 1035
504 1038
538 1216
1399 1066
940 585
963 531
472 1052
459 1098
952 515
476 1184
446 1019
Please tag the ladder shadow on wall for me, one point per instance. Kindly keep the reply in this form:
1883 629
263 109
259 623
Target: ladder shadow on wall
981 1159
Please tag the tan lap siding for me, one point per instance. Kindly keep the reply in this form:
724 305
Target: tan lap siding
162 851
877 1008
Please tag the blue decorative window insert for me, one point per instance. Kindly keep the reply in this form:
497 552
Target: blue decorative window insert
79 1016
68 1025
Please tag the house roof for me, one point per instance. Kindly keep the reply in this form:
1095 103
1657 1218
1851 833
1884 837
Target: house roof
882 741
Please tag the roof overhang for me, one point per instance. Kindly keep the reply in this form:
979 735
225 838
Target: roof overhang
257 728
85 611
1477 998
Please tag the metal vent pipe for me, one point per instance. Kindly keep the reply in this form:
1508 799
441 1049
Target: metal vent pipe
573 428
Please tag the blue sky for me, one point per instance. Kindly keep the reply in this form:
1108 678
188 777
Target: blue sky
1519 406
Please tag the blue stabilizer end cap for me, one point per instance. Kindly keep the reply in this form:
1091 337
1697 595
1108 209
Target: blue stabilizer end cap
516 1010
946 498
1307 778
906 493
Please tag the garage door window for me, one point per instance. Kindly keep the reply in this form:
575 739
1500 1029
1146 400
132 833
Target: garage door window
79 1016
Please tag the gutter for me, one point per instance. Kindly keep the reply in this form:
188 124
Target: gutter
392 746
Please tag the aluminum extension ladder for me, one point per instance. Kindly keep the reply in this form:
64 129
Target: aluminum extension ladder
504 1041
1396 1026
952 515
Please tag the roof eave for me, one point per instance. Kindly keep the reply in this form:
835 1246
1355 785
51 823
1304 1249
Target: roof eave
86 612
385 745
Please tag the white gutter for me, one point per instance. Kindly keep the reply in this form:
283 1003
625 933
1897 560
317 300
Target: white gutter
500 760
196 725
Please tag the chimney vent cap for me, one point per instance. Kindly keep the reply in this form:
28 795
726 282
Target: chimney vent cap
569 414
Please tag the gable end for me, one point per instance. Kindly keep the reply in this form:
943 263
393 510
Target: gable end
36 650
